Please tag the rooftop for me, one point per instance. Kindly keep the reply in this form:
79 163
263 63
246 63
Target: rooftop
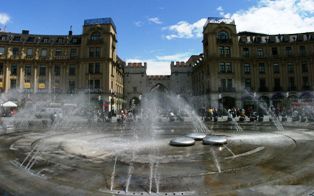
95 21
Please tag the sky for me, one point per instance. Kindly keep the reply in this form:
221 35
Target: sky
157 31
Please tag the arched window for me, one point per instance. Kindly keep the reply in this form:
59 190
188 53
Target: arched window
223 35
95 36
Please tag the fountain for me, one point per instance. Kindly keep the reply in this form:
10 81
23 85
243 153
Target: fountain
135 158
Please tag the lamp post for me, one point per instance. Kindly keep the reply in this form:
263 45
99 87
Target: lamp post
219 100
254 96
287 100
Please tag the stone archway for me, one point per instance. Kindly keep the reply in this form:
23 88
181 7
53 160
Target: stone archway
159 88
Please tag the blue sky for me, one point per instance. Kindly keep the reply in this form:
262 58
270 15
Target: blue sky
157 31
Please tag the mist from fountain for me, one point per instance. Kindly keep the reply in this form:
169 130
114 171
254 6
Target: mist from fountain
261 104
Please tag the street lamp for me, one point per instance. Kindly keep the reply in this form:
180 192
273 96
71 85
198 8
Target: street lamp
219 100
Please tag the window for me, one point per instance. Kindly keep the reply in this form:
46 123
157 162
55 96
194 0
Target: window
29 52
221 51
97 84
71 85
223 83
13 70
290 68
302 51
42 70
97 68
13 83
91 84
288 51
274 51
305 68
222 68
94 52
58 52
223 35
45 40
305 81
261 67
227 51
95 36
57 70
228 68
229 83
43 52
262 82
247 68
73 52
28 70
15 51
247 83
90 68
277 82
1 51
72 70
1 68
291 83
260 52
276 68
246 52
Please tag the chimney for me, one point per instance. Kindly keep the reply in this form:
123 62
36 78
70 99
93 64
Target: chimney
70 32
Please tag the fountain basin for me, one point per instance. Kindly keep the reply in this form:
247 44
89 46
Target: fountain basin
196 136
182 141
215 140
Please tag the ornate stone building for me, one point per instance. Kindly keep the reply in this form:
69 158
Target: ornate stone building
239 67
63 64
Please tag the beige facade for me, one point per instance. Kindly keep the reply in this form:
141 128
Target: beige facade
239 67
64 63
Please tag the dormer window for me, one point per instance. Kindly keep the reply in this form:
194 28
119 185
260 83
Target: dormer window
223 35
95 36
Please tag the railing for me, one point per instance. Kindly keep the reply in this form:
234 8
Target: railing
63 57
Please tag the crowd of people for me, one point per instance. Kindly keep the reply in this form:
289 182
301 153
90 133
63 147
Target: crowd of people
295 113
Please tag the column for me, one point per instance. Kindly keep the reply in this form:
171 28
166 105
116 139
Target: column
7 73
21 77
35 79
49 78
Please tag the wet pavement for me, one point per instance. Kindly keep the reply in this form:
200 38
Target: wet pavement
136 159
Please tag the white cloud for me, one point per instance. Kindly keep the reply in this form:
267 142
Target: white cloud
4 18
185 29
220 10
138 23
160 65
273 17
307 5
154 20
175 57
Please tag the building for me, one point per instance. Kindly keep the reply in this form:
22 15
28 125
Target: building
65 64
237 68
138 83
